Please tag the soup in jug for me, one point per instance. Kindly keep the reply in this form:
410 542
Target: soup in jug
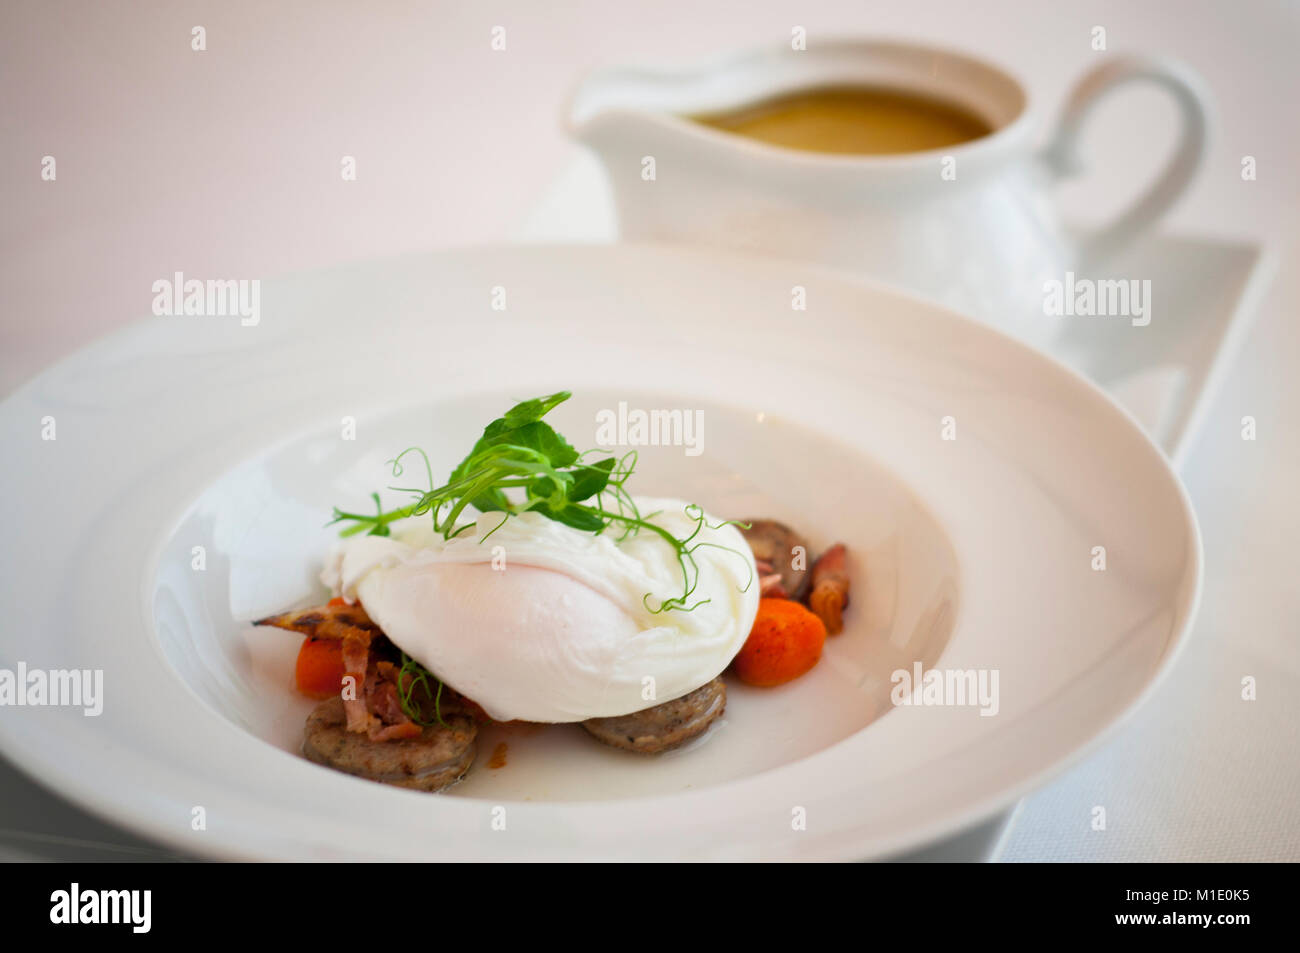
853 121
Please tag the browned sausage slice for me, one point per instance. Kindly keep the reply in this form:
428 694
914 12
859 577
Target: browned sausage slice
439 756
778 545
665 726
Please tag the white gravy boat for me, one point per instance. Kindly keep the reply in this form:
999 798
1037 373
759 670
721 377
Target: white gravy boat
984 241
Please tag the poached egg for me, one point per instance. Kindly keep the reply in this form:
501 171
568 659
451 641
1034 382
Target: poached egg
538 621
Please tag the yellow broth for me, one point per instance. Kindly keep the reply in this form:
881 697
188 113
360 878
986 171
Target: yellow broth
853 121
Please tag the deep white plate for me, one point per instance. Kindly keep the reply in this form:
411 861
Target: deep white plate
973 553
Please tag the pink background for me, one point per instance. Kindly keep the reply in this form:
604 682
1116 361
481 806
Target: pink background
225 163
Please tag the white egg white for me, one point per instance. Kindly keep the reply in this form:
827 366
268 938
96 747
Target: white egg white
537 621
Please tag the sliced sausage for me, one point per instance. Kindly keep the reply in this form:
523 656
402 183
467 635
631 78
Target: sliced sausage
665 726
777 545
437 757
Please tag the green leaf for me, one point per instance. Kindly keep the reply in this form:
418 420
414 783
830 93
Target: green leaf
522 414
591 480
542 438
530 411
492 501
533 434
571 516
520 426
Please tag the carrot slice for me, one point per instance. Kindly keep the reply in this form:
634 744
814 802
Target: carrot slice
785 642
319 671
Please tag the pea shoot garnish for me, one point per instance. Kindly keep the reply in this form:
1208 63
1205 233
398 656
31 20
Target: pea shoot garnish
522 465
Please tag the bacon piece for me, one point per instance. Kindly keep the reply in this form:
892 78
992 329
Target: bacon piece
384 700
771 587
830 588
356 662
383 696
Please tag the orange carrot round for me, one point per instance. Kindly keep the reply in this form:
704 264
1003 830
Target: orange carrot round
785 642
319 671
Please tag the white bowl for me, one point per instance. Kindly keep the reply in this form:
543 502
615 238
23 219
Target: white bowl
974 553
